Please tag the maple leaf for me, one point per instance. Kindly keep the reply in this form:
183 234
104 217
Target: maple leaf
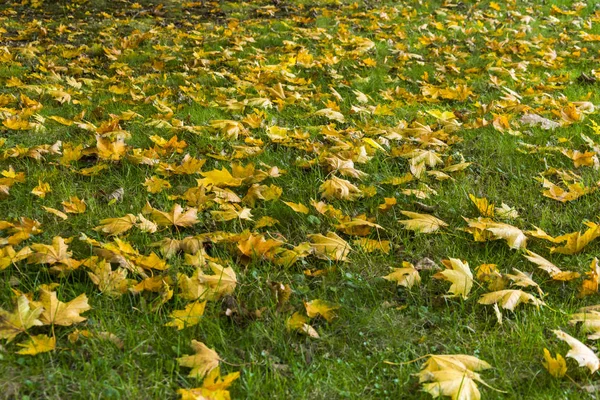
202 362
509 299
522 279
298 207
112 283
156 184
116 226
557 367
459 274
58 313
222 283
74 205
218 178
460 385
56 212
299 322
371 245
389 202
330 247
213 387
41 189
576 241
337 188
52 254
555 273
321 307
23 318
452 375
9 256
191 315
591 322
575 191
484 229
584 356
37 344
406 276
590 285
176 217
423 223
485 208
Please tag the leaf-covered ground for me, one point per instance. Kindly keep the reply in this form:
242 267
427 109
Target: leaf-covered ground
296 199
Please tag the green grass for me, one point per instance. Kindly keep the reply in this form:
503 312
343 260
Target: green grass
366 351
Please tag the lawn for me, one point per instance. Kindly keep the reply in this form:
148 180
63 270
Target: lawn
297 199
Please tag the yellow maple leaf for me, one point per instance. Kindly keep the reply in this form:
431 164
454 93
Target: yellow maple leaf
299 322
557 367
56 212
406 276
221 283
337 188
23 318
555 273
176 217
330 247
298 207
37 344
371 245
485 208
202 362
576 241
323 308
58 313
116 226
590 320
155 184
52 254
584 356
74 205
423 223
219 178
213 387
509 299
191 315
109 282
41 189
459 274
590 285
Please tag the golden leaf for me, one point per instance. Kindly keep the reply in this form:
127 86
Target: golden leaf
406 276
116 226
557 367
58 313
191 315
202 362
459 274
423 223
176 217
23 318
41 189
156 184
584 356
321 307
298 322
74 205
555 273
37 344
336 188
330 247
298 207
509 299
